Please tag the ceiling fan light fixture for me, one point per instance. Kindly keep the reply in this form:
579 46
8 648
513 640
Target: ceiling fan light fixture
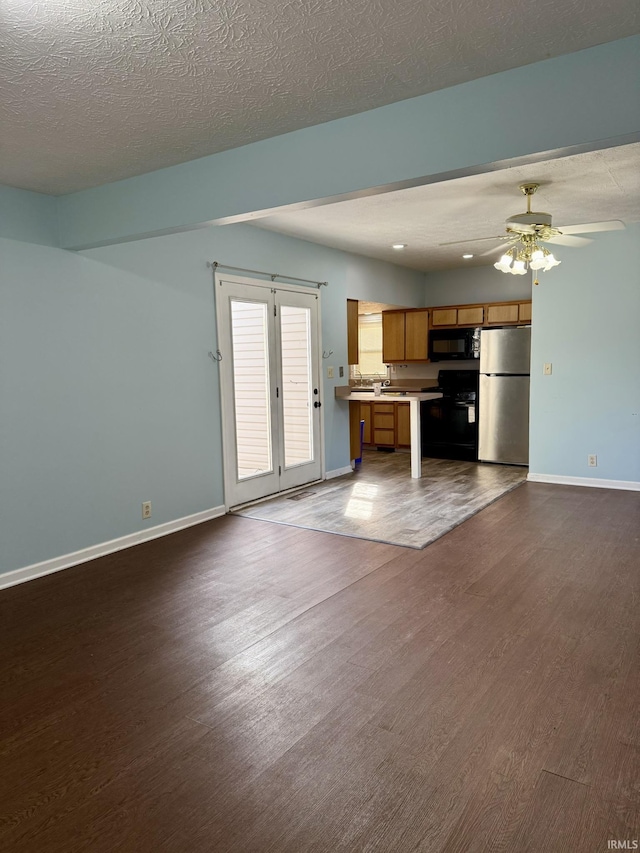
538 260
524 230
504 264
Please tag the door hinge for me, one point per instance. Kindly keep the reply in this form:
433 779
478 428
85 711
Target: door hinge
280 470
275 311
277 392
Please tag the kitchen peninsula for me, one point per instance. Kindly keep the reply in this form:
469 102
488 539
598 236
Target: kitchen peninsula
391 395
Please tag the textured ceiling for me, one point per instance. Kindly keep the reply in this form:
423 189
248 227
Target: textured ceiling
97 90
591 187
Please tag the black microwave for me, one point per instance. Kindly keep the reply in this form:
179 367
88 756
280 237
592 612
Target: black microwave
449 344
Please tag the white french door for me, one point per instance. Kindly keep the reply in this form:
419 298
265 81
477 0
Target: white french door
270 384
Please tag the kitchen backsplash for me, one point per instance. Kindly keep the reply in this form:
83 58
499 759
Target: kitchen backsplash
413 372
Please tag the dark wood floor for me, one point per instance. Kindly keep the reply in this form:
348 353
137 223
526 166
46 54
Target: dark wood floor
245 686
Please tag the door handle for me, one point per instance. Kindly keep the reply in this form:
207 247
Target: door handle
317 405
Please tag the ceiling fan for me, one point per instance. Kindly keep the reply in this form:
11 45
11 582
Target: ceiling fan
525 232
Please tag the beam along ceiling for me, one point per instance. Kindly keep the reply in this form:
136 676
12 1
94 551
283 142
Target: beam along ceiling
583 188
96 92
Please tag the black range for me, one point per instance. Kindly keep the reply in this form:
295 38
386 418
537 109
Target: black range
449 425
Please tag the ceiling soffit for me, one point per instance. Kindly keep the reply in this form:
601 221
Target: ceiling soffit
97 92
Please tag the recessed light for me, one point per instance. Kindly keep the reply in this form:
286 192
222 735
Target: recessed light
467 256
399 246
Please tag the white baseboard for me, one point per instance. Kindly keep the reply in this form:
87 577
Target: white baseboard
592 482
37 570
338 472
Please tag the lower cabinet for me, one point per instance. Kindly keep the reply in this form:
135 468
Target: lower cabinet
365 415
386 424
354 430
383 424
403 425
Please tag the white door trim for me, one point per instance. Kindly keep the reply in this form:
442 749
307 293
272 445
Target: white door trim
226 402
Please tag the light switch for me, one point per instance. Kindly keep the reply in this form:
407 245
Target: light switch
329 372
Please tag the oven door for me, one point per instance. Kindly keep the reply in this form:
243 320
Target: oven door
449 429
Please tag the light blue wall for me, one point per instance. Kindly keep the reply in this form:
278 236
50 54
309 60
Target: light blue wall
586 97
475 284
107 399
586 322
183 257
27 216
107 394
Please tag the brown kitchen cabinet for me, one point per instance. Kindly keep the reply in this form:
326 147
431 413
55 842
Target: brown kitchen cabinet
472 315
403 425
524 312
353 349
464 315
354 430
488 314
499 315
505 313
393 336
444 317
365 415
385 425
405 335
359 411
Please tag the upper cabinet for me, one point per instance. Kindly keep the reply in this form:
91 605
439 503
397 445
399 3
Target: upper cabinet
524 312
352 331
492 314
416 344
467 315
405 332
393 336
405 335
504 313
472 315
499 314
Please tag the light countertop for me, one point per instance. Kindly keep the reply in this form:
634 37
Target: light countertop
414 399
388 396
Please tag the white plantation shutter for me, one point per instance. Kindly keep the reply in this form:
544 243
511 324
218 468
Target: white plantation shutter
296 384
251 387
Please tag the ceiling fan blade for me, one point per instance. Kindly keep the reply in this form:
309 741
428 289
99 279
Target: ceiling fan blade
500 247
590 227
471 240
568 240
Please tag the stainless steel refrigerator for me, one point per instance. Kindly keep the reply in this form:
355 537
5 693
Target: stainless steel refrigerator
503 400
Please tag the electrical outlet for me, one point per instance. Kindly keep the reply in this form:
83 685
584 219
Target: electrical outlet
146 509
546 370
329 372
592 460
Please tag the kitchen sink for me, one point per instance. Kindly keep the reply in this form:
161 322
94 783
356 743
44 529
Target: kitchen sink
395 390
